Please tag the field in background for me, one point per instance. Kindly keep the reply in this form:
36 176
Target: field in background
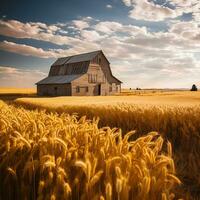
5 90
176 98
128 92
10 94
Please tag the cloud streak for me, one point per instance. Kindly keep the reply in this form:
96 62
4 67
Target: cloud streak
27 50
37 31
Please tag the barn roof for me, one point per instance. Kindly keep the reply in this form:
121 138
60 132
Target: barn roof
76 58
58 79
116 79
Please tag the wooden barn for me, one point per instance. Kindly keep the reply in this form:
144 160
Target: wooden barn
86 74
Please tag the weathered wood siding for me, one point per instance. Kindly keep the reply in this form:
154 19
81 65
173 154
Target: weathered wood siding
54 90
110 85
81 87
96 70
104 83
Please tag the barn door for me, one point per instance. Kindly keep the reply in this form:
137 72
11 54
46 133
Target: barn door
99 89
55 91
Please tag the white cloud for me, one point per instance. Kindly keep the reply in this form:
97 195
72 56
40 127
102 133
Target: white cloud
91 35
109 6
26 50
127 2
144 9
111 27
80 24
37 31
107 26
154 11
188 30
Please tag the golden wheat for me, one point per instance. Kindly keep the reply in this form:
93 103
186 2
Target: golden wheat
178 124
50 156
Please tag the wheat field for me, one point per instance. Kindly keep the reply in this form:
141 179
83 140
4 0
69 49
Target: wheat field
172 98
174 115
45 155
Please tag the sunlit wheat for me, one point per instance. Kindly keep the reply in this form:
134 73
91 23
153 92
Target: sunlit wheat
51 156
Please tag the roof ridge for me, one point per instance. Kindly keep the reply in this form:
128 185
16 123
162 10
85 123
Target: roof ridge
68 58
77 58
81 54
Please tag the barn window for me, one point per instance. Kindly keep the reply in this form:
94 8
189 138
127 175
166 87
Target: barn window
92 78
110 89
77 89
99 60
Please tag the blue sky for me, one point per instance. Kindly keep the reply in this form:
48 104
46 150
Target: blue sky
150 43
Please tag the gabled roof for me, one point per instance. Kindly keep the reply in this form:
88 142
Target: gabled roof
63 66
76 58
58 79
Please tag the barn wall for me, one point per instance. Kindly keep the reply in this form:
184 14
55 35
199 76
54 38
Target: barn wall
50 90
95 69
114 88
86 88
82 86
103 62
110 85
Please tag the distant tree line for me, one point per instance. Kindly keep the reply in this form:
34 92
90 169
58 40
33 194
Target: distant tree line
194 88
136 88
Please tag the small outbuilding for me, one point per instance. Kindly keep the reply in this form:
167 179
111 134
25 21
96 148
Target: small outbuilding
86 74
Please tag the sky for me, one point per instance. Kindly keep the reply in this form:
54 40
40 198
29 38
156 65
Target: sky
149 43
